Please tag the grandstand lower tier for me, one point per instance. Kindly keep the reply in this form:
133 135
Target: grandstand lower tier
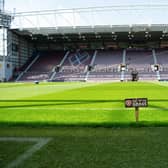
98 65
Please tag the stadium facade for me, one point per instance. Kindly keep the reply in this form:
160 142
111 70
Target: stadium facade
81 44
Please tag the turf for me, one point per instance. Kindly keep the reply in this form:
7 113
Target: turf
86 104
81 147
9 151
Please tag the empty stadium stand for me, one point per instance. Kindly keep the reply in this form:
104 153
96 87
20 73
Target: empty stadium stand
43 67
106 65
74 67
162 61
140 60
98 65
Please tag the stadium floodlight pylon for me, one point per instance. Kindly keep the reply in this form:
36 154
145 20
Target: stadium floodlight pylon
5 22
2 5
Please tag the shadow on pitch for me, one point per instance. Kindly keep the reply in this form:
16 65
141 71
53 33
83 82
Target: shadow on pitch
42 103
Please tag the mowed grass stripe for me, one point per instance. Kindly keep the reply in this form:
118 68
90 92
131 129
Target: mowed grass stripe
83 109
82 103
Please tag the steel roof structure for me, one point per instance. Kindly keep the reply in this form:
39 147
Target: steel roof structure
108 23
105 19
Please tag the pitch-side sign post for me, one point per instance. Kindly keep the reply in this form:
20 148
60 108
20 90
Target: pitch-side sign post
136 103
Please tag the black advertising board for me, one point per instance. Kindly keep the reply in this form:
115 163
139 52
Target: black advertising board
136 102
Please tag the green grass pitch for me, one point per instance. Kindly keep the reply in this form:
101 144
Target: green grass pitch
83 147
81 103
88 124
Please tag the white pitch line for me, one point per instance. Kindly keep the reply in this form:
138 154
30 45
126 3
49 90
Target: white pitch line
40 142
82 108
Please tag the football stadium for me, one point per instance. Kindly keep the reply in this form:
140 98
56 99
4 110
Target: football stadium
84 87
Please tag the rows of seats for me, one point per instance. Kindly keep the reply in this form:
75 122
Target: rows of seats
105 66
139 60
75 66
162 60
42 68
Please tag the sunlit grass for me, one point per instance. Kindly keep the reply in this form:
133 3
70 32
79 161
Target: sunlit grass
81 103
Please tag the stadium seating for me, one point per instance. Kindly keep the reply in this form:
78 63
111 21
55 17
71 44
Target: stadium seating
106 65
42 68
162 60
75 66
141 61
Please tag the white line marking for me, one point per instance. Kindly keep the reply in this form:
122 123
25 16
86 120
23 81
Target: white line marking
40 142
